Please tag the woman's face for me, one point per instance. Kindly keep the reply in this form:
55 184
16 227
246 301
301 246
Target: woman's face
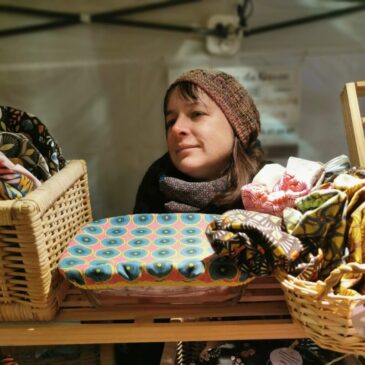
199 137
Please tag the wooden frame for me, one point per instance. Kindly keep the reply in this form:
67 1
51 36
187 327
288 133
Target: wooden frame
354 122
260 314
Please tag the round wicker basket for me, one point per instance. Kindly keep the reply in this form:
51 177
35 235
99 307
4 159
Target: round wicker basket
327 318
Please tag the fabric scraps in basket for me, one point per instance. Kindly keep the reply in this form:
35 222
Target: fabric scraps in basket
17 121
14 169
310 269
15 180
354 187
269 175
337 165
18 149
146 249
319 221
297 180
254 241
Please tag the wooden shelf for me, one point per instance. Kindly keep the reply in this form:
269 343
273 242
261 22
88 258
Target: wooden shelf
79 322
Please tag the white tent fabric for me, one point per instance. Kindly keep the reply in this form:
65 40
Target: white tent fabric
99 88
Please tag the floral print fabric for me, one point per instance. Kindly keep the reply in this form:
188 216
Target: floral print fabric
15 180
17 121
21 151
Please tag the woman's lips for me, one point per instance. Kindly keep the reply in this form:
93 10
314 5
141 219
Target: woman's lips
185 148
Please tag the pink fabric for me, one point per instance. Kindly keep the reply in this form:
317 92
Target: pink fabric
11 173
296 181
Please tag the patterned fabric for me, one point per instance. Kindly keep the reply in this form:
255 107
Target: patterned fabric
297 180
258 198
254 241
269 175
14 120
334 167
146 249
356 223
184 196
354 187
21 151
319 221
310 270
15 181
14 171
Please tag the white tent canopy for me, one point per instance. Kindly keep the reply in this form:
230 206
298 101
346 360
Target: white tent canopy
99 87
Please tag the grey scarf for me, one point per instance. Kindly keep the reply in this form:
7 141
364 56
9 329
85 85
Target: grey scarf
185 196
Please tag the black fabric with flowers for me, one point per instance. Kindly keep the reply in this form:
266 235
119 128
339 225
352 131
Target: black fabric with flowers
17 121
20 150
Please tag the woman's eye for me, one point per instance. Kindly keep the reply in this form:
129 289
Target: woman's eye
170 123
197 113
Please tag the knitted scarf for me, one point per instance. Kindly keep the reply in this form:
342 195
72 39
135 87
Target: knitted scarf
190 196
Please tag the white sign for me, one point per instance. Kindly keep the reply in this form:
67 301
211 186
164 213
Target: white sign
276 94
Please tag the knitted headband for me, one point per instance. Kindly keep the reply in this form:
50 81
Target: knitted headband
232 98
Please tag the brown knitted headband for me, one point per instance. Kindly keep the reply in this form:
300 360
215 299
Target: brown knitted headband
231 97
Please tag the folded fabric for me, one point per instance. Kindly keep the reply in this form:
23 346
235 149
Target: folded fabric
309 270
8 192
348 183
354 187
269 175
17 121
338 165
10 172
319 221
257 197
296 181
15 181
254 241
18 149
356 224
146 249
306 171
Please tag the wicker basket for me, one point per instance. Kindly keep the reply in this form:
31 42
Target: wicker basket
326 317
34 232
55 355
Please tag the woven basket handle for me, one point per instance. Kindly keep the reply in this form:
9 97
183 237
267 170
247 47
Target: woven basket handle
323 287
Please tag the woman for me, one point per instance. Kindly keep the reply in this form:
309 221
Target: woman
212 126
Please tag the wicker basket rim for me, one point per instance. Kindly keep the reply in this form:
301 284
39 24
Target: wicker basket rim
311 287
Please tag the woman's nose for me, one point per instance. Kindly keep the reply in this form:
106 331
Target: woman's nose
181 125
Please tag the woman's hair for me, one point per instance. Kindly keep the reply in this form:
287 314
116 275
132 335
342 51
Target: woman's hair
245 161
244 165
186 89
